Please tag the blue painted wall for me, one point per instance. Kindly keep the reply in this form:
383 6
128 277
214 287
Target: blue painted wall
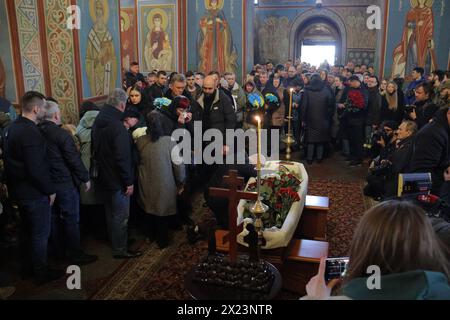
397 19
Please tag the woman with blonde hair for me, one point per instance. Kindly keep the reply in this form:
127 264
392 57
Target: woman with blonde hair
383 86
397 238
392 104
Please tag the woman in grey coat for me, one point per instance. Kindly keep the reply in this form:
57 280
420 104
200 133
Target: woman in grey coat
317 112
160 178
83 134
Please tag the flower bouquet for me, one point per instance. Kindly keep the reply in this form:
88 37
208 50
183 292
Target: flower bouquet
279 191
355 101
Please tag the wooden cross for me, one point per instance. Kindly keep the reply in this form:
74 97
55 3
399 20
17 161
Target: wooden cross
234 195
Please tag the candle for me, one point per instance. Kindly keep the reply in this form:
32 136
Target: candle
290 111
258 119
290 103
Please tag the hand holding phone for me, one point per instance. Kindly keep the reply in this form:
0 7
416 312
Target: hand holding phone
335 268
317 288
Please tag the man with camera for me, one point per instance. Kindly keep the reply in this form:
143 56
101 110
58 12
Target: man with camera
386 139
399 162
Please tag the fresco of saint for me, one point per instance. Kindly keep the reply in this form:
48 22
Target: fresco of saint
417 46
101 59
158 52
215 42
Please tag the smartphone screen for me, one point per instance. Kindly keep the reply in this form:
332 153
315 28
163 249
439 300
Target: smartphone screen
335 268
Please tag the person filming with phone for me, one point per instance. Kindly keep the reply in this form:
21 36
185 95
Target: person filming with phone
396 239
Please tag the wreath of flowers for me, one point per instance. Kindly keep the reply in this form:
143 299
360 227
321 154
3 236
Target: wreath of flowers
279 191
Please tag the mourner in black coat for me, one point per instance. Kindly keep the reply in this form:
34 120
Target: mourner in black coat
432 149
317 109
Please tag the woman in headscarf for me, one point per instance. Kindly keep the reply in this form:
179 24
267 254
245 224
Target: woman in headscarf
137 102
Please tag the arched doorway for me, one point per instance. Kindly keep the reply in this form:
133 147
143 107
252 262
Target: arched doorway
317 41
318 27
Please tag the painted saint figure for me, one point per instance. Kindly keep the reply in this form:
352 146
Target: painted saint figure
417 46
101 61
158 50
215 42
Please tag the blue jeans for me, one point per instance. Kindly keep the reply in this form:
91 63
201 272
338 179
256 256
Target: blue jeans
65 234
34 233
117 207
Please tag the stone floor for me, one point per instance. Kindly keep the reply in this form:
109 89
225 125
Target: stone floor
94 275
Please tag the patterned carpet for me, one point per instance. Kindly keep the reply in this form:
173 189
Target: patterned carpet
159 274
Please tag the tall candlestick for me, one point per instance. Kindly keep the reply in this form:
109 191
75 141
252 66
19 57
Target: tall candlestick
290 110
258 119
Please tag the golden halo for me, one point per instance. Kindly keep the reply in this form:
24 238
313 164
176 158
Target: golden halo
219 4
164 22
126 20
427 3
105 10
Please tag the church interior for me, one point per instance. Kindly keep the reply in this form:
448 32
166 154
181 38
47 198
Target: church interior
345 180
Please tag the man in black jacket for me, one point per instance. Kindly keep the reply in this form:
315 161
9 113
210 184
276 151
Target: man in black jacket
67 172
354 102
29 183
373 108
217 113
157 90
134 77
432 149
112 150
424 108
266 87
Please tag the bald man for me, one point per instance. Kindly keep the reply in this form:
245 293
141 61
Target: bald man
218 110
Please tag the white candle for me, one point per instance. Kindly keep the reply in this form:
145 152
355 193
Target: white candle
258 119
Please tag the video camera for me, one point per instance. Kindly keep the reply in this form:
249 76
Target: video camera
409 109
417 188
413 185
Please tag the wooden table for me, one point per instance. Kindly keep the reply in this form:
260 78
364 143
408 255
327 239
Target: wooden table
199 291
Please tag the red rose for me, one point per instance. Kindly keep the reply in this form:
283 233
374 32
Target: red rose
356 99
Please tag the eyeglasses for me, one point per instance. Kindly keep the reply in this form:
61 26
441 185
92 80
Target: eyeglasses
205 88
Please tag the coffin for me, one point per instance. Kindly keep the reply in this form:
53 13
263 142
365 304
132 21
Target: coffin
276 237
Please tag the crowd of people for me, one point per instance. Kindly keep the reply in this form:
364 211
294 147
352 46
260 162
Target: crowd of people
120 158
